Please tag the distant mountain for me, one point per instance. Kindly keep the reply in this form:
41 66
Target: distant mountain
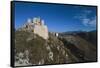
70 32
90 36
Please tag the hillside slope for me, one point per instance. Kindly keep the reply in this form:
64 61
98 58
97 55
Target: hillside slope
87 51
31 49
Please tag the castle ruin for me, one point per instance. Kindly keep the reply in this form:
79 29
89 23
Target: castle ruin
37 26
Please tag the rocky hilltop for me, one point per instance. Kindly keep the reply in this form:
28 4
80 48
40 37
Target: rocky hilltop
31 49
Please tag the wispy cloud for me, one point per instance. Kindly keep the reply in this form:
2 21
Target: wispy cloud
85 19
89 22
93 21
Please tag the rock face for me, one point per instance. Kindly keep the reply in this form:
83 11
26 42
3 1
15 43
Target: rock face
36 26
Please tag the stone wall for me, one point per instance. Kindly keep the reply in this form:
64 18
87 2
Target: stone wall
41 31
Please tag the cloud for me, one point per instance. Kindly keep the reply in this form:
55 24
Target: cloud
85 19
93 21
89 21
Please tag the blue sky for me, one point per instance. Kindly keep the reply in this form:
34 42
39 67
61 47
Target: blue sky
58 18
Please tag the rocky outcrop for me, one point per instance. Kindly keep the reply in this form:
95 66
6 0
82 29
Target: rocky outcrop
32 49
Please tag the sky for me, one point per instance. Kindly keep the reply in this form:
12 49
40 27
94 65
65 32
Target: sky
58 18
